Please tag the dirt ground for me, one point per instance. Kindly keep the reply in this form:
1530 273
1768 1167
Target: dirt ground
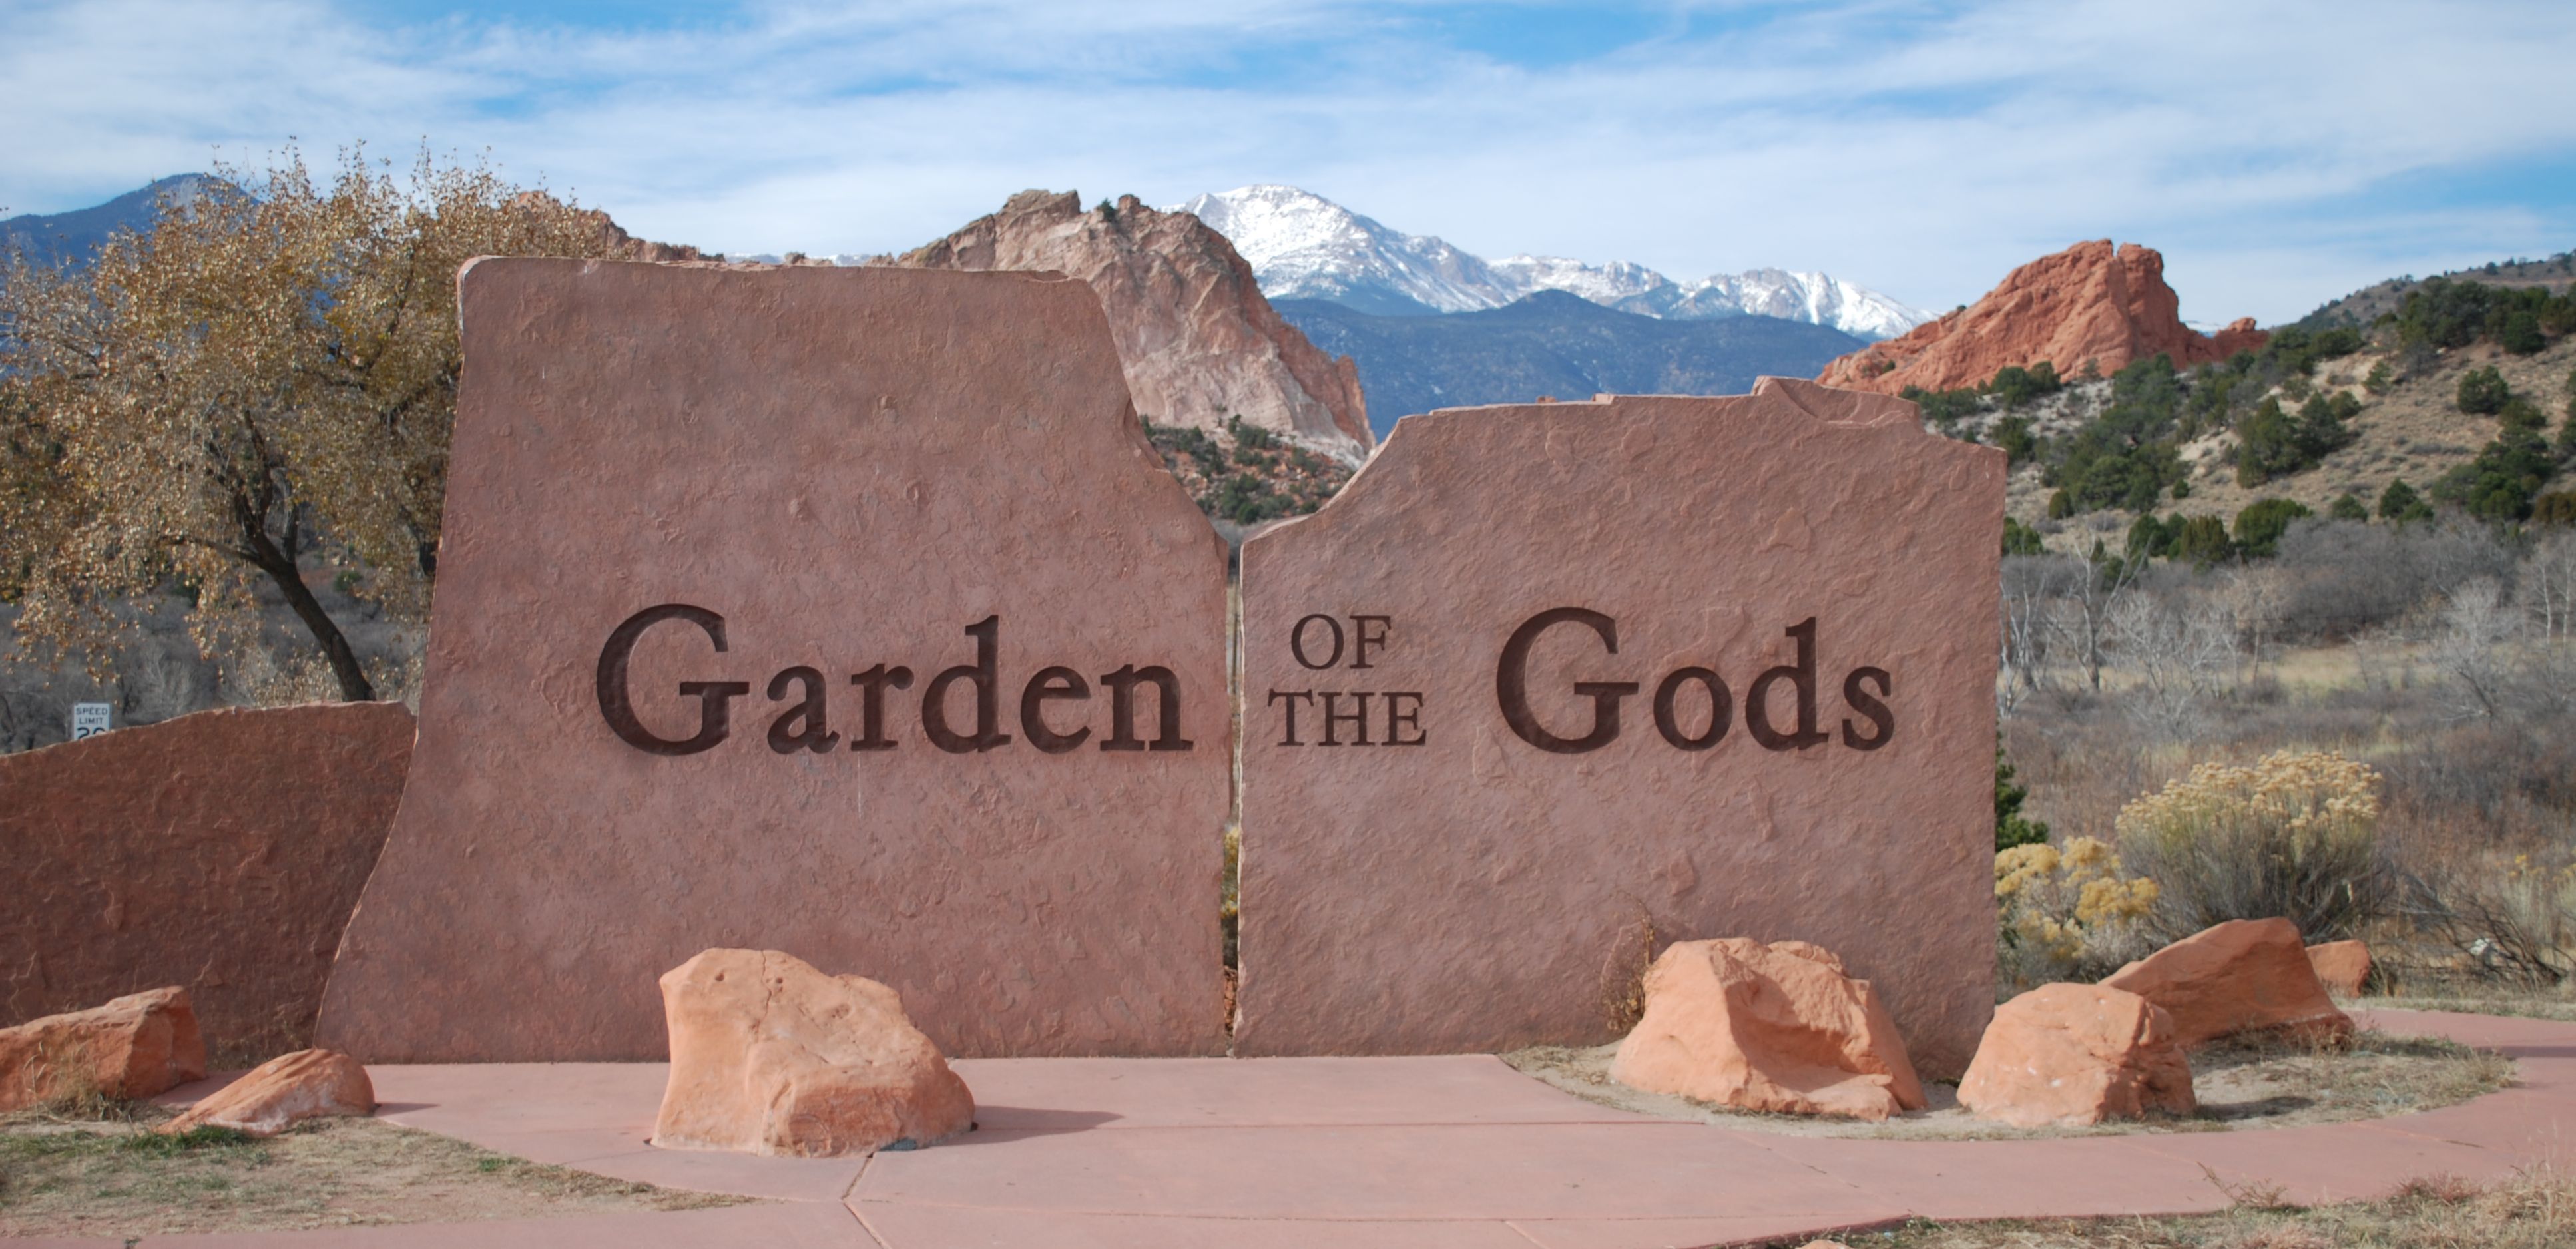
113 1177
2241 1086
2534 1211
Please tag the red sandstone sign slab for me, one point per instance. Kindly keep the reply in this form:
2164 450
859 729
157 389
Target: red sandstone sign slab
1544 680
219 851
840 612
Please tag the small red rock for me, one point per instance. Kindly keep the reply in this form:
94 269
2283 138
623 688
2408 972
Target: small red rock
2066 1055
2244 975
134 1046
770 1056
306 1084
1776 1027
2341 966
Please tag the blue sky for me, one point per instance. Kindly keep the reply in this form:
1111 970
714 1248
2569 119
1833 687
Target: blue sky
2279 154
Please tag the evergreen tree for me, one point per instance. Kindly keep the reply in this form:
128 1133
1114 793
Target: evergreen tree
2260 526
2399 502
2203 540
2011 828
2483 391
2021 539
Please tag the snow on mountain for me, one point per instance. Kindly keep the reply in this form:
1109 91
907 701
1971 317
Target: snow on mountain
1615 284
1814 297
1303 246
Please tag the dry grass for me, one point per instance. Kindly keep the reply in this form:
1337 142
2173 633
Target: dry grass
2533 1211
2273 1080
97 1169
2245 1085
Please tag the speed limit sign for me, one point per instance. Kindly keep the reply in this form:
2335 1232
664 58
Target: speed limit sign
89 719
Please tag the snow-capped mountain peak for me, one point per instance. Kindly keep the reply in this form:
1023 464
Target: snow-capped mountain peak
1303 246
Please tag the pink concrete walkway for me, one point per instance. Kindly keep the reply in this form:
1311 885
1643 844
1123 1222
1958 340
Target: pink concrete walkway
1435 1153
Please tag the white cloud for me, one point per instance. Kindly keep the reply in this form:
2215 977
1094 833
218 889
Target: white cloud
1915 150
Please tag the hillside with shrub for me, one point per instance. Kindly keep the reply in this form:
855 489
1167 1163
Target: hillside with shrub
2368 304
2458 403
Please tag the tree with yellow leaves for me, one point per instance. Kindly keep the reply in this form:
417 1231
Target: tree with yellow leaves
267 375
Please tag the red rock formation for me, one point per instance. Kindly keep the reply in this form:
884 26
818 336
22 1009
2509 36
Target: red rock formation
282 1092
2343 967
2245 975
1198 341
134 1046
2068 1055
771 1056
1781 1028
2087 304
222 851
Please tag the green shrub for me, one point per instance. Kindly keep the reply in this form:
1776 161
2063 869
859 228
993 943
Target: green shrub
2011 827
2555 508
2150 538
2443 313
2060 505
2507 475
2399 502
2012 434
1944 408
2260 526
2128 455
2380 378
2021 539
2203 541
2521 333
2014 386
2277 444
2483 391
2348 506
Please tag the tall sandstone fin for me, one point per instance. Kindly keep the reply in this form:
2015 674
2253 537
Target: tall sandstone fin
1198 341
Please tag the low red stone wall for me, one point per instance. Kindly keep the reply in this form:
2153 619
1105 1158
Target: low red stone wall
221 851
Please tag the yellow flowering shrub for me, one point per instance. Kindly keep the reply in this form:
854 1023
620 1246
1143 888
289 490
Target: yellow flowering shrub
2295 835
2067 911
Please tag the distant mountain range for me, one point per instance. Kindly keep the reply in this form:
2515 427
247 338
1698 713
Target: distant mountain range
1557 345
1303 246
76 235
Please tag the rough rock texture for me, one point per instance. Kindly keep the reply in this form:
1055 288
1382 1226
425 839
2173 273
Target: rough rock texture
221 851
1778 1027
135 1046
285 1090
2244 975
770 1056
2341 966
857 470
1198 340
2067 1055
1505 912
2091 302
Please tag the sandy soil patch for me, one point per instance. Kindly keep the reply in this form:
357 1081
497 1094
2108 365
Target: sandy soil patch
113 1177
2241 1086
